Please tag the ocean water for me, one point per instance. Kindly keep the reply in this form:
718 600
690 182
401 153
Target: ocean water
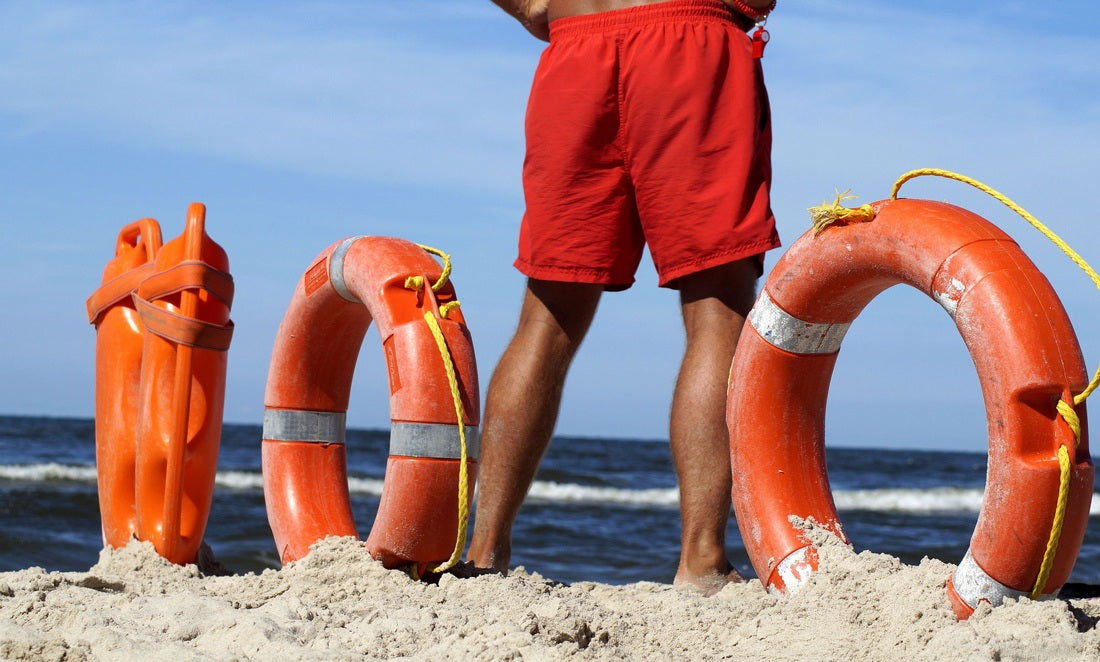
600 509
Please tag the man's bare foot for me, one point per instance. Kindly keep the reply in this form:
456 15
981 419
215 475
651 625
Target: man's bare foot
707 584
467 569
488 557
461 570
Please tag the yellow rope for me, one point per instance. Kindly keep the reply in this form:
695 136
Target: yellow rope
1065 410
446 266
463 479
415 283
1072 254
827 214
446 308
1056 528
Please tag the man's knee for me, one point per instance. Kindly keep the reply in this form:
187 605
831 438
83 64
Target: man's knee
563 309
731 285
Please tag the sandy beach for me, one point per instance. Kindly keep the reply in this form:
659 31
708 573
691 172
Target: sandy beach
339 604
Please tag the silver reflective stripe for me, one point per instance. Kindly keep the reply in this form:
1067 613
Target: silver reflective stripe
433 440
336 268
794 571
792 334
325 427
973 585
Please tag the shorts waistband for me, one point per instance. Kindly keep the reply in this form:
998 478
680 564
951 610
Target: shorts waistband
642 15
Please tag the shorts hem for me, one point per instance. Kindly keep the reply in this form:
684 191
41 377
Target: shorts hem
581 275
759 247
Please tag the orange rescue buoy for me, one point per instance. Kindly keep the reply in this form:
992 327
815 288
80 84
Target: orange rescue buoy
163 329
1027 357
118 375
351 283
184 307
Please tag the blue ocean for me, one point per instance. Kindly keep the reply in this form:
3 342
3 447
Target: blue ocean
600 509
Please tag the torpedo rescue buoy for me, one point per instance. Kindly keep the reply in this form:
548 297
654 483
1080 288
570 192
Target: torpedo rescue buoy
163 329
1027 358
433 409
118 376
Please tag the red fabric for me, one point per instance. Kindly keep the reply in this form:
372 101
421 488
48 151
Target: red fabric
646 125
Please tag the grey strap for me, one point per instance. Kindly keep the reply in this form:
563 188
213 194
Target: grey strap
433 440
336 268
324 427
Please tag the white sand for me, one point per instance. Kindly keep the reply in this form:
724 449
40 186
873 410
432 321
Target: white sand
339 604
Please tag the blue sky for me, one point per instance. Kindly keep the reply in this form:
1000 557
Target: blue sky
298 124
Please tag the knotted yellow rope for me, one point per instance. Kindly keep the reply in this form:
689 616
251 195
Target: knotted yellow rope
463 478
825 215
415 283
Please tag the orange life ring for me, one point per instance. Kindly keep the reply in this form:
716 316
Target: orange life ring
160 394
1027 357
351 283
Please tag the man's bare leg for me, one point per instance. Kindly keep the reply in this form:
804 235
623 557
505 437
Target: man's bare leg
521 409
714 304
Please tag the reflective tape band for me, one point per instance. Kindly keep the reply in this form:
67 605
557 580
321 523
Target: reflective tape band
794 571
973 585
433 440
336 268
792 334
323 427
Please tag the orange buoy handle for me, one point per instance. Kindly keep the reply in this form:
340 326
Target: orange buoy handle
1027 358
135 248
353 283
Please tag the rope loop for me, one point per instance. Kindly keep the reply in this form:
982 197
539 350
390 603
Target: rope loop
443 277
417 282
446 308
1072 420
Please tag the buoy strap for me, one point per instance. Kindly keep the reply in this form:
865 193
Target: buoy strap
435 440
183 330
116 290
336 268
325 427
791 334
188 275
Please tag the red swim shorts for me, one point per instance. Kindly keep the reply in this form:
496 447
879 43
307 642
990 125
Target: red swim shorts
646 125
